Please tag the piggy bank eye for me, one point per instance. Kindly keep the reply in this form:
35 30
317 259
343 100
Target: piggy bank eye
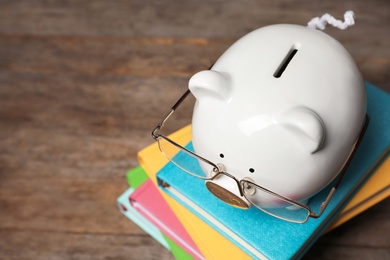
221 155
251 170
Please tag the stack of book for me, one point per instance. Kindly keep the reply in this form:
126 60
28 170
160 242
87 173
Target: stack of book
179 212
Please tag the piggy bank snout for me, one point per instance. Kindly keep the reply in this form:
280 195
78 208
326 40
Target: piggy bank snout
226 196
226 189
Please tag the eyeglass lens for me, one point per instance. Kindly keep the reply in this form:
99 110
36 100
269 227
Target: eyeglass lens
273 205
183 159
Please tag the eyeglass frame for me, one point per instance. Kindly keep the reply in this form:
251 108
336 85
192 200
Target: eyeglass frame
240 183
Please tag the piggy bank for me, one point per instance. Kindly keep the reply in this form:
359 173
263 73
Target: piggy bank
283 107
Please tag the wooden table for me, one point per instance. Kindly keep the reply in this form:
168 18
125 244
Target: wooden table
82 84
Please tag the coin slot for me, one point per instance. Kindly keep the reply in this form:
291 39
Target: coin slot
282 67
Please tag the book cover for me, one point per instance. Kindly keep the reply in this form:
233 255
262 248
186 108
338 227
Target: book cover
263 236
148 201
127 210
178 252
125 207
136 178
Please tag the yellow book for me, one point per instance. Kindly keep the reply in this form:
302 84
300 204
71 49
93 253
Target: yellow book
215 246
376 189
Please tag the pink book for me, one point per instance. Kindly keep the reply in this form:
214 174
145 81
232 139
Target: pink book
147 200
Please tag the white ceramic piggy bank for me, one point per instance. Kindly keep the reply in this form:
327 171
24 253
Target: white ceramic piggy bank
283 106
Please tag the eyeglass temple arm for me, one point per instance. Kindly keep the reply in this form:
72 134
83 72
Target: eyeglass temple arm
343 171
173 108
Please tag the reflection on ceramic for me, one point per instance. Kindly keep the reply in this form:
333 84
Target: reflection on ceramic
283 106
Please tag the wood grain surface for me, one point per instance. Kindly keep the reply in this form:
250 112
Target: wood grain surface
82 84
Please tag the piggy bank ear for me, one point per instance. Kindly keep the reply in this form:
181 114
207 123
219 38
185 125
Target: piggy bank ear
210 83
307 126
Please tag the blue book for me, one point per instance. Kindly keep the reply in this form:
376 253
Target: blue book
265 237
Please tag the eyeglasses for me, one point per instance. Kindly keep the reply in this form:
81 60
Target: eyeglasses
283 208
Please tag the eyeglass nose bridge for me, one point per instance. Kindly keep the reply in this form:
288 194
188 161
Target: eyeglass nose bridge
219 173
